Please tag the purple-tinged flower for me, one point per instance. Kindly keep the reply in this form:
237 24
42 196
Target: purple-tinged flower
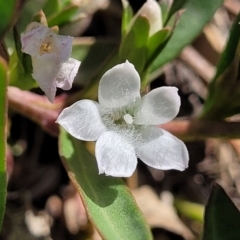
52 65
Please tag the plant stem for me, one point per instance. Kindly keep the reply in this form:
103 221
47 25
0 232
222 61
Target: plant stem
202 129
36 107
41 111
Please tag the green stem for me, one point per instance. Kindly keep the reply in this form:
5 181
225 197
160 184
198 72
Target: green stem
191 210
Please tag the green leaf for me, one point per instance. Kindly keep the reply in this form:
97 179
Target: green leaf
65 16
134 45
3 118
197 13
176 5
110 205
51 7
165 10
230 52
224 90
20 66
189 209
126 16
18 76
222 218
28 12
156 43
8 12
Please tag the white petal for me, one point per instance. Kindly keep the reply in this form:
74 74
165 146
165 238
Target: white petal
45 70
163 152
119 86
82 120
159 106
115 155
67 74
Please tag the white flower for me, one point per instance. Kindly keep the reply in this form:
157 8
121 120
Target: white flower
52 65
152 11
125 125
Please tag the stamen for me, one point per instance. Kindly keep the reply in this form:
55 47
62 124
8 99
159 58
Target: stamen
45 48
128 118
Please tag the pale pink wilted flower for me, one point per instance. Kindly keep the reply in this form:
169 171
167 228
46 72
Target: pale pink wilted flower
52 65
125 125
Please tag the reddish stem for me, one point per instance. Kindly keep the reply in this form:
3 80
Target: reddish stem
202 129
37 108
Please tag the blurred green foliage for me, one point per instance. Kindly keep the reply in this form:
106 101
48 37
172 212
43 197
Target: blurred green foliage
108 201
191 22
3 137
222 218
224 90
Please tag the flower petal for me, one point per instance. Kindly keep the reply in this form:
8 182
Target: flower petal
63 45
45 70
41 40
50 58
115 155
33 38
67 74
119 86
82 120
159 106
163 152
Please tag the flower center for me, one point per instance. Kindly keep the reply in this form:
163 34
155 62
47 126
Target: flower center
128 118
45 48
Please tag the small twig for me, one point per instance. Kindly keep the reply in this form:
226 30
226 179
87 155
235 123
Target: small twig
232 6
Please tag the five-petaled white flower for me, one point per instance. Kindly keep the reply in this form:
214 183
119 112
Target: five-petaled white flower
52 65
125 125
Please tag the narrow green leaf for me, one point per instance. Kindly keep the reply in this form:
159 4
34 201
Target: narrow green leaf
165 10
3 117
156 43
197 13
126 16
18 77
229 54
110 205
134 45
20 66
52 7
222 218
176 5
8 13
28 12
224 90
65 16
23 58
